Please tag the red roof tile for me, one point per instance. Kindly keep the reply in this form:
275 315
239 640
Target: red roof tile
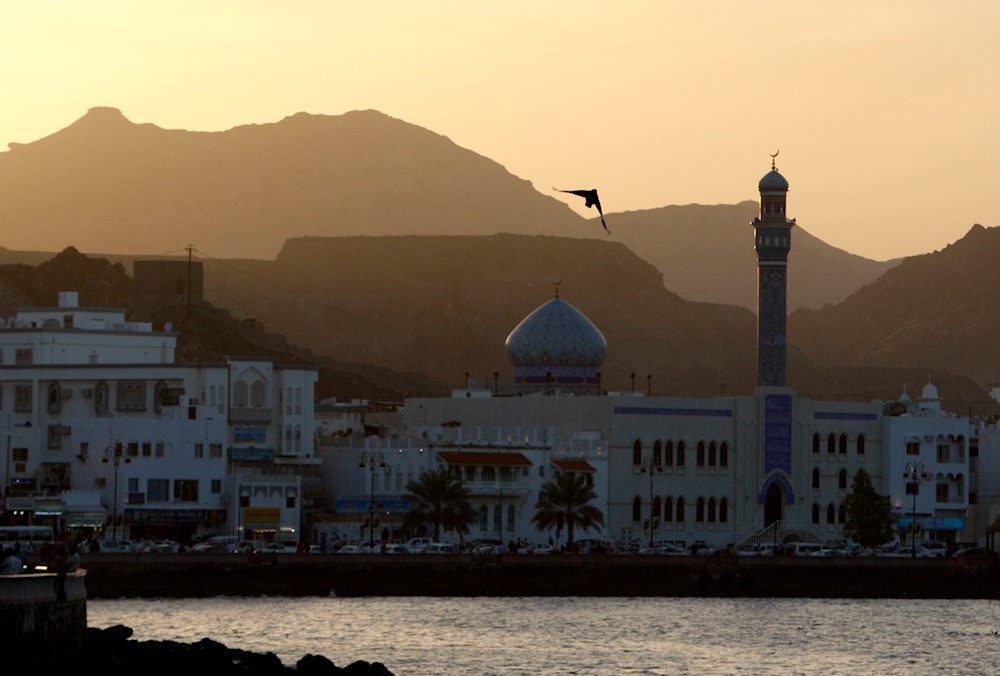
493 458
574 465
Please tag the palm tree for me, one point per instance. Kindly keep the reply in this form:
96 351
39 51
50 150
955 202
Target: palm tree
564 501
440 499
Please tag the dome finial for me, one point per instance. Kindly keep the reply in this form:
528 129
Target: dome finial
556 285
772 159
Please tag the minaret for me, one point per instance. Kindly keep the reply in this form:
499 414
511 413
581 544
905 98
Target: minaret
773 239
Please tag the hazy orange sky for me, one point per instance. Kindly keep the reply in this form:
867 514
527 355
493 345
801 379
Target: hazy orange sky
885 112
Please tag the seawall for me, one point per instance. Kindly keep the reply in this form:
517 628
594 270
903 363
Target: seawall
43 613
204 575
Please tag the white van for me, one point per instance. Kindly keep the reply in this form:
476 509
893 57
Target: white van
441 548
804 548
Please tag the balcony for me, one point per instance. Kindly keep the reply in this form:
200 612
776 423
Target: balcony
251 415
492 488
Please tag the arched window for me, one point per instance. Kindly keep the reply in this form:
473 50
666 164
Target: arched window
497 518
816 442
489 474
258 394
843 443
816 477
700 454
831 443
101 398
511 518
55 398
656 506
637 452
815 514
861 444
668 454
668 509
723 510
484 517
830 514
842 480
241 394
637 508
842 514
711 510
679 510
711 454
699 510
680 453
657 452
724 454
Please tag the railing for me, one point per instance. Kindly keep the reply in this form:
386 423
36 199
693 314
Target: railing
770 533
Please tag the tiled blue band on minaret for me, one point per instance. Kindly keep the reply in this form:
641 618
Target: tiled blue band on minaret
773 239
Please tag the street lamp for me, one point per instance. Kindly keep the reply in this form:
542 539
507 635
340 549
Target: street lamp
115 454
372 460
650 467
914 474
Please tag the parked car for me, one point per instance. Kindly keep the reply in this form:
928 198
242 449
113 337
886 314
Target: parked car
441 548
396 548
275 548
352 549
472 546
418 545
664 550
937 548
535 549
209 548
115 546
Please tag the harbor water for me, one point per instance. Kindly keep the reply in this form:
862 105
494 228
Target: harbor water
425 636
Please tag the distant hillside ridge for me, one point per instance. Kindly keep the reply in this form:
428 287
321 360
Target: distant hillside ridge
113 188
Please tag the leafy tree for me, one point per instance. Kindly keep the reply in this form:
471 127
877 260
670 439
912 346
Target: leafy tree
564 502
869 515
438 498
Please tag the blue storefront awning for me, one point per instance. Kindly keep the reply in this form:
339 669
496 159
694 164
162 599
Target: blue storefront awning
933 522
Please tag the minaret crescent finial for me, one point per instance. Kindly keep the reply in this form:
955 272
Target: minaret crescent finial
556 285
772 158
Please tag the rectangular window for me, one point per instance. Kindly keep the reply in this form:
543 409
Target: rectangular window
19 454
216 486
22 398
199 450
942 493
24 356
158 490
133 449
147 449
159 449
215 450
185 490
131 395
55 436
942 453
913 448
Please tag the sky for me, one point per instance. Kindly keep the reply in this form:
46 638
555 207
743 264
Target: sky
883 113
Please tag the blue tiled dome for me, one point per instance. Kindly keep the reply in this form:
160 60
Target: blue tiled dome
772 181
556 334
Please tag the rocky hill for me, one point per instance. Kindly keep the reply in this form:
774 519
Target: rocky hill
110 187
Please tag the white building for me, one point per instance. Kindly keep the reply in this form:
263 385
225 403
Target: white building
101 426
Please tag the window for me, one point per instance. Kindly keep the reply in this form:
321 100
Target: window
815 478
55 436
668 454
723 510
158 490
913 448
101 398
679 510
816 442
815 513
215 450
637 452
861 444
158 449
842 480
711 454
699 510
830 514
147 449
186 490
711 510
54 398
199 450
484 515
22 398
132 449
831 443
216 486
842 513
636 508
942 493
656 507
843 443
20 454
700 454
657 452
680 453
724 454
942 453
24 356
668 509
131 395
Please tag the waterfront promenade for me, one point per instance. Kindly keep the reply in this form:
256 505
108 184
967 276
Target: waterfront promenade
350 575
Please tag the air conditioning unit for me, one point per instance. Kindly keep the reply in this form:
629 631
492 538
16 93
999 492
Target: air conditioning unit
100 481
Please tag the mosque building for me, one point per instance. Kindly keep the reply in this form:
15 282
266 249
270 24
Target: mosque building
727 470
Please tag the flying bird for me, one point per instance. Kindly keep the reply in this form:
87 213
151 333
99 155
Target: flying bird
592 201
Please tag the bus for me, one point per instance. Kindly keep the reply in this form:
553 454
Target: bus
30 537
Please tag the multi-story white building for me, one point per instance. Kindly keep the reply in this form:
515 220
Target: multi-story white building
101 426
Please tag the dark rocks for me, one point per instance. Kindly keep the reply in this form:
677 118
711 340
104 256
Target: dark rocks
110 651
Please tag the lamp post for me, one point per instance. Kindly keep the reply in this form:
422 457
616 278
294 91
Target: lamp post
914 474
372 460
115 455
650 467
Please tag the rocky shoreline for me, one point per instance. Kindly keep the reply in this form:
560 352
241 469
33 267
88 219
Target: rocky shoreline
111 651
